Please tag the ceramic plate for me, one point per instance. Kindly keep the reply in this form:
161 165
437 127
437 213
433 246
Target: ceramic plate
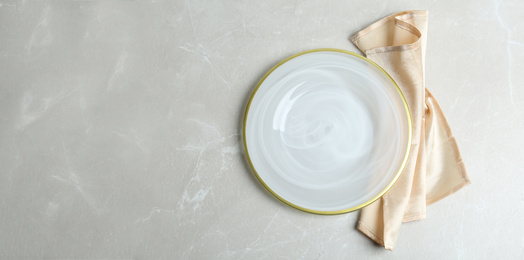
327 131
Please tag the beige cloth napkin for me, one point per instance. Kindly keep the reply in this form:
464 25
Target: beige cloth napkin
434 168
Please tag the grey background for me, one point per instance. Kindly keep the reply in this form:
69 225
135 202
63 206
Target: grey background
119 129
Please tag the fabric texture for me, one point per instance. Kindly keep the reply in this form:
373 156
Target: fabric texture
434 168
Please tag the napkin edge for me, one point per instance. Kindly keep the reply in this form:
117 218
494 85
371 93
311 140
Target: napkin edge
367 232
399 19
460 163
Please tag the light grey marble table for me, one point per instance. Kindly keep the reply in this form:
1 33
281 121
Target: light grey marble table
120 129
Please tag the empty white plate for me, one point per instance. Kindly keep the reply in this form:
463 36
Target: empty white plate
327 131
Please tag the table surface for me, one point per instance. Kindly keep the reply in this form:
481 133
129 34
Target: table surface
120 129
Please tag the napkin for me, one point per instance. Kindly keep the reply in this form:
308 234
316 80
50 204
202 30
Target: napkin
434 168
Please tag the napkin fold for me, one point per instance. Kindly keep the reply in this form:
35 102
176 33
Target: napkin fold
434 168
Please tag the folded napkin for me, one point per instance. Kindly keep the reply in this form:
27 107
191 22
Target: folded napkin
434 168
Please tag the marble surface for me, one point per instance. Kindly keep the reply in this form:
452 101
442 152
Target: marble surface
120 129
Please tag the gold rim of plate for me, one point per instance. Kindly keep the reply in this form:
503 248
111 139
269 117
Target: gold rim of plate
317 211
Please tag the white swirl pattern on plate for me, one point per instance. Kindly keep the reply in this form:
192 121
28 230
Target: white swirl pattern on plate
326 131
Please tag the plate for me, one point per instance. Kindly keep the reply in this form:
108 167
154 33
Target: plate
327 131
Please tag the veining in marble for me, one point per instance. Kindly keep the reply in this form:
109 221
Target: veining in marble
120 129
